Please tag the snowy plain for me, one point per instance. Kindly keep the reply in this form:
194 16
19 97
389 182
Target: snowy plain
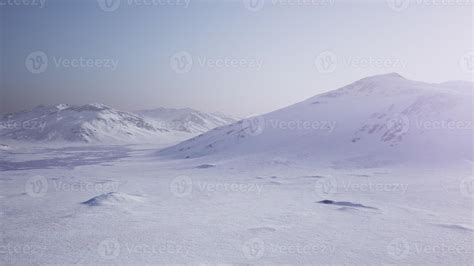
239 211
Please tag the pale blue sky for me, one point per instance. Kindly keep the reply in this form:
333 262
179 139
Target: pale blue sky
421 42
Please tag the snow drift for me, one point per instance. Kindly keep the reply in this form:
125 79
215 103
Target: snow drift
112 198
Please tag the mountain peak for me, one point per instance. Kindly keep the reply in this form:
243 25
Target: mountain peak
385 76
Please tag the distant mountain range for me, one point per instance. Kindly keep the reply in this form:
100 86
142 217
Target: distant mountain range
99 123
186 119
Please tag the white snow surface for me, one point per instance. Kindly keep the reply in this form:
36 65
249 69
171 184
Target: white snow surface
271 197
122 205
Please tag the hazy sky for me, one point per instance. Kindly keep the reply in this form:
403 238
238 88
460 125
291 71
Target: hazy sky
247 58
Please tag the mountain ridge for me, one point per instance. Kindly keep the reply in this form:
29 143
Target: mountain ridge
91 123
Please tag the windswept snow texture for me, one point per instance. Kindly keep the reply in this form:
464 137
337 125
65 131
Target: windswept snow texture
143 210
375 121
186 120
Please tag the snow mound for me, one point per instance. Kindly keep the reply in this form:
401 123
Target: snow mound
205 166
4 147
458 227
113 198
346 204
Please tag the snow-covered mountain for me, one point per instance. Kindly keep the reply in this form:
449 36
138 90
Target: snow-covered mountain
99 123
376 120
71 123
186 120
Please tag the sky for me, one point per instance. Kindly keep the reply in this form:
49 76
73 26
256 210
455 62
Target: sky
241 57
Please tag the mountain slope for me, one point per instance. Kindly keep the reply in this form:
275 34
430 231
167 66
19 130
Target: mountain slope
186 120
71 123
376 120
